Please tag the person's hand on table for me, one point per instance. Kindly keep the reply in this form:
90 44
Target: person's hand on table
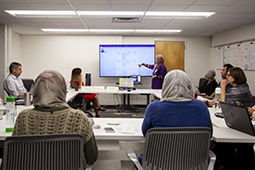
208 102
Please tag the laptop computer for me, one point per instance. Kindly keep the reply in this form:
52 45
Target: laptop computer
126 82
238 118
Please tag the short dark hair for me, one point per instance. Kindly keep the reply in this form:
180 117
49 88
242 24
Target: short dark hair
14 65
238 74
228 66
75 74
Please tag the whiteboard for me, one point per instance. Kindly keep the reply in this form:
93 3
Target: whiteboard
242 55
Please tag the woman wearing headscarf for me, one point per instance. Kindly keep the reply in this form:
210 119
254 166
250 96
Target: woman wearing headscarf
52 115
177 107
208 87
158 70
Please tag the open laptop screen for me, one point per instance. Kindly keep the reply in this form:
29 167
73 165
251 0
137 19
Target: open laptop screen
237 117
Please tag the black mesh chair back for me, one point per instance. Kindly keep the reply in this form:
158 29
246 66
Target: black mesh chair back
41 152
28 83
201 81
176 149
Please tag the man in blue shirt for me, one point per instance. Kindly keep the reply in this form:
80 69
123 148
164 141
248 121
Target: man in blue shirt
13 85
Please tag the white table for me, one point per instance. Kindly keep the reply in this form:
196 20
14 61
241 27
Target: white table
72 93
100 134
222 133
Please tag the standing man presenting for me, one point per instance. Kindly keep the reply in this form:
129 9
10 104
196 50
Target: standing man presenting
13 85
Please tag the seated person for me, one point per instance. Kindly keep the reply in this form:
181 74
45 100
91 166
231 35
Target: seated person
52 114
234 89
208 87
175 105
13 85
76 76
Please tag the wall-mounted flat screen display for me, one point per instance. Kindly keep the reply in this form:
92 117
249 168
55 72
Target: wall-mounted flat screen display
123 60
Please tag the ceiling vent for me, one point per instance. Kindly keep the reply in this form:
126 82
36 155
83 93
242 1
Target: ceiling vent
125 20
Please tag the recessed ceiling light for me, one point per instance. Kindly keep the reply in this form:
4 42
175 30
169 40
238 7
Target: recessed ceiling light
31 12
115 31
111 13
65 30
180 14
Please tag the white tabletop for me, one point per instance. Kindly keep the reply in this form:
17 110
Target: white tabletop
72 93
100 134
222 133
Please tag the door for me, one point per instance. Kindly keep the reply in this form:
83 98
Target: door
173 53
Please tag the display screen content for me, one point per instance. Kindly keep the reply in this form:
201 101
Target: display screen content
123 60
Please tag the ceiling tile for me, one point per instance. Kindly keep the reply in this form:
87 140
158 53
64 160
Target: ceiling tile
216 2
240 9
205 8
53 6
91 7
167 7
174 2
127 7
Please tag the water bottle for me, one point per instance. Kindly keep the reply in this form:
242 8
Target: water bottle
1 110
10 113
88 79
217 99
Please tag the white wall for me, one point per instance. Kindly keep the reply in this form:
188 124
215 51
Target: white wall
238 34
62 53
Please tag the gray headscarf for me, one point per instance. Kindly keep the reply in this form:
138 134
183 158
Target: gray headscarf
177 87
50 91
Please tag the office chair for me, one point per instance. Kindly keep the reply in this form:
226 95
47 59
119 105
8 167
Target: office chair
185 148
28 83
201 81
83 104
51 152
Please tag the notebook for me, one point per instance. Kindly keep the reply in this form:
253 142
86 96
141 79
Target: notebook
126 82
238 118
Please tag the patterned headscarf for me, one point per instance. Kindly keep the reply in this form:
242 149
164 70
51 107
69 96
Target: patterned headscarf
50 91
159 62
177 87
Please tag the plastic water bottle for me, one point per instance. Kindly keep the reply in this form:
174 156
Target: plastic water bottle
1 110
217 99
10 113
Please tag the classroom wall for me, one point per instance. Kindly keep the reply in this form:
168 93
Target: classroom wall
238 34
2 58
62 53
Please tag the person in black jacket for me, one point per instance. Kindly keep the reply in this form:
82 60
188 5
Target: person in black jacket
208 87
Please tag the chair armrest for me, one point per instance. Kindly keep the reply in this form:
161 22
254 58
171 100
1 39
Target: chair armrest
132 156
89 166
212 157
